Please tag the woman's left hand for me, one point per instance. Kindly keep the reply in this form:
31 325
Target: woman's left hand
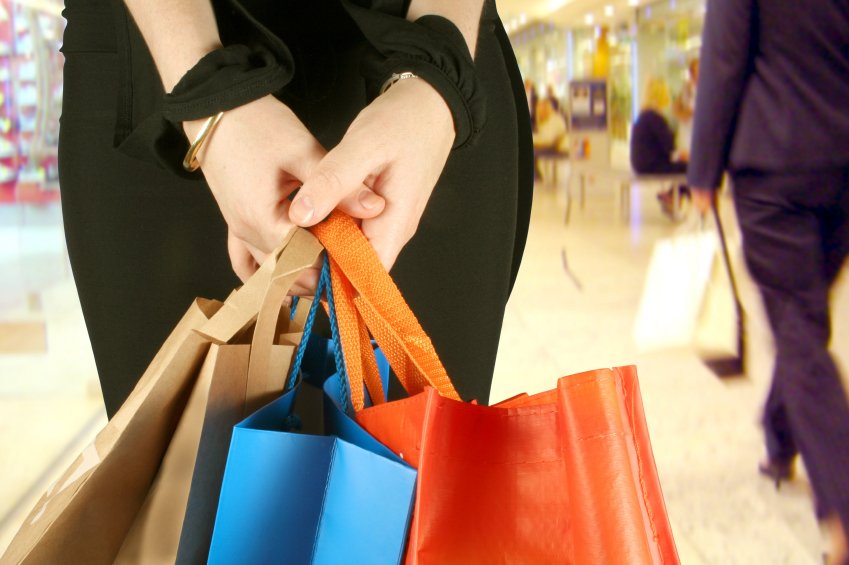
397 146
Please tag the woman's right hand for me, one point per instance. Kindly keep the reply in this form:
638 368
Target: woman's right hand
253 161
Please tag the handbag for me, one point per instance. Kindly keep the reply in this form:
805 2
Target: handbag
297 498
564 476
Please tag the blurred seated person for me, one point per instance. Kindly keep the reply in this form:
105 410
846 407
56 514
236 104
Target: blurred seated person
653 142
533 98
551 136
551 94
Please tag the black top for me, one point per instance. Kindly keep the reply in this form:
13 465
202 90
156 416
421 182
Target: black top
773 88
163 236
257 60
652 145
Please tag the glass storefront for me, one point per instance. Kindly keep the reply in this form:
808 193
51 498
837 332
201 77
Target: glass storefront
668 39
32 248
656 40
31 94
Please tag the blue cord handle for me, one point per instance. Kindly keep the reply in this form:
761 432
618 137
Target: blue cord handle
324 287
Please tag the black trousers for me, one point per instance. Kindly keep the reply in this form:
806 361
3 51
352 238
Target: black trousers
144 243
795 239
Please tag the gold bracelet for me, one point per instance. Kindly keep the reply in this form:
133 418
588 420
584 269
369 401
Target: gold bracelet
190 161
395 78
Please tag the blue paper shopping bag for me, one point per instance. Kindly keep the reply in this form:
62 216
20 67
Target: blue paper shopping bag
295 498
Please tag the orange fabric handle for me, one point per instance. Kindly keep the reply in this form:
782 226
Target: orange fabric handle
382 308
361 365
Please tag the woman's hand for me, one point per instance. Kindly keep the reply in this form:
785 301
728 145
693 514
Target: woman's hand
397 146
256 157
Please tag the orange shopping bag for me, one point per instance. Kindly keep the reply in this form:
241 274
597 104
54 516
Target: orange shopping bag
565 476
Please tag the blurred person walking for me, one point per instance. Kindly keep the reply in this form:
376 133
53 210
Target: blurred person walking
773 111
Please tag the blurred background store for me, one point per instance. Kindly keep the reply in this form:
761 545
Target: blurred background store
586 259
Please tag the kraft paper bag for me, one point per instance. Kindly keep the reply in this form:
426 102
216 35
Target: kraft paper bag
176 522
86 515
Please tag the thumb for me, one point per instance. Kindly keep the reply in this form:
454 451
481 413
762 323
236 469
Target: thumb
338 176
388 233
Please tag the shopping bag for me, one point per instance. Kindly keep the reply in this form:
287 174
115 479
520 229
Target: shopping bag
715 330
565 476
674 289
296 498
85 515
720 335
175 523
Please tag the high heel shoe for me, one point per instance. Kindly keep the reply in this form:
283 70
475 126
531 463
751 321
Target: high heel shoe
777 470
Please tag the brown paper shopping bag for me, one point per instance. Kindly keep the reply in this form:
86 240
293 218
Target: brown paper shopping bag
87 513
175 524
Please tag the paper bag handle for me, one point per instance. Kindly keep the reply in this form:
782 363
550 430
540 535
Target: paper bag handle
263 382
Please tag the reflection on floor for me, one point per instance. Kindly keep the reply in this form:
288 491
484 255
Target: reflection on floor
572 310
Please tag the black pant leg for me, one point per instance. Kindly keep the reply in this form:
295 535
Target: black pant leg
789 224
142 243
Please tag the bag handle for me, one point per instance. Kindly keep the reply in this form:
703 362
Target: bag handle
346 396
381 308
299 254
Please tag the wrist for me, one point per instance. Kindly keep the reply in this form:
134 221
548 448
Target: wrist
176 66
439 113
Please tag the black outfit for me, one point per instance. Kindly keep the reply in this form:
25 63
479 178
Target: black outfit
772 110
652 145
145 239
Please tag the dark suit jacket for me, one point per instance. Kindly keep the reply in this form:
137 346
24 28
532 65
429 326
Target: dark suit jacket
773 91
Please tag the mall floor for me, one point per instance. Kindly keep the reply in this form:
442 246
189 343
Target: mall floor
572 310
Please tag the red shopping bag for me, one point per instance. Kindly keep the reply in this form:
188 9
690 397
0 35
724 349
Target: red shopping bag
565 476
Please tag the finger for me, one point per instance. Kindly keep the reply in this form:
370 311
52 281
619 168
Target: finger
388 233
259 256
363 204
337 176
243 262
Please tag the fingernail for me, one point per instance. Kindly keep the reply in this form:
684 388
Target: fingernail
302 210
369 199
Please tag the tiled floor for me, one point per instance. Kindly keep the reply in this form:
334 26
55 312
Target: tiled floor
573 309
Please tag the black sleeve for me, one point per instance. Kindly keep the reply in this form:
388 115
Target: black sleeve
431 47
253 63
725 67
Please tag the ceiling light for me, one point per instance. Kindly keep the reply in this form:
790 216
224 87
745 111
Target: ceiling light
608 10
633 2
589 19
